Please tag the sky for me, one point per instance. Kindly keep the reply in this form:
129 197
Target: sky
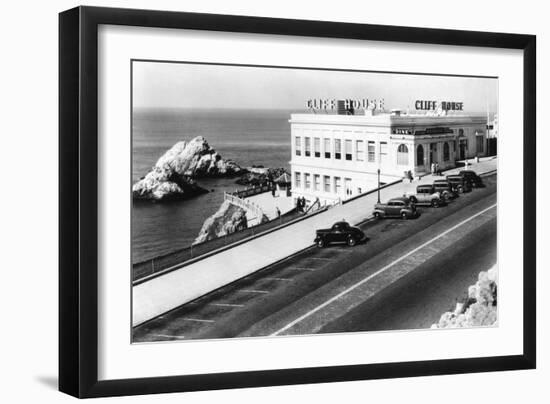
184 85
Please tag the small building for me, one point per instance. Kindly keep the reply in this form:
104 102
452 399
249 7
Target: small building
337 156
283 184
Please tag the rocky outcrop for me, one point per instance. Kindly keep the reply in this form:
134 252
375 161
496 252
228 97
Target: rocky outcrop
174 173
197 159
258 176
228 219
479 308
161 184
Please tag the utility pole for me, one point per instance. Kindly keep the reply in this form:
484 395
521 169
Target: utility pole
378 185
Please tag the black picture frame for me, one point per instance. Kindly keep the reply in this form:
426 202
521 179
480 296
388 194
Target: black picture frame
78 207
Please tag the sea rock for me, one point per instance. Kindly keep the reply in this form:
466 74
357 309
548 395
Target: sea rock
197 159
228 219
162 184
174 173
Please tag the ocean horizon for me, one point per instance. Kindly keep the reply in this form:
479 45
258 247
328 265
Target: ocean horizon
248 137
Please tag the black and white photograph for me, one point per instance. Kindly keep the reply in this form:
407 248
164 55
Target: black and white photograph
276 201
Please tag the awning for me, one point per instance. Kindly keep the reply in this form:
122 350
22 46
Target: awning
283 179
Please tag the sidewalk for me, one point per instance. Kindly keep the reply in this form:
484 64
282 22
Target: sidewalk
269 203
170 290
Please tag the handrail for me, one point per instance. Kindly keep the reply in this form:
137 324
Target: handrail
244 204
255 190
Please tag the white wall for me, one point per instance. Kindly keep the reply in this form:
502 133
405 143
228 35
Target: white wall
28 158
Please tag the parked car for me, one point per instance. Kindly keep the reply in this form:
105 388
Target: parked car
472 177
426 195
340 232
395 207
445 189
459 183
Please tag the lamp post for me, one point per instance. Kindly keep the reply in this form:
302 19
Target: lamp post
378 185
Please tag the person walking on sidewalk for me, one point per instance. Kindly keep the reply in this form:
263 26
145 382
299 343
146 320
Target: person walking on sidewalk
433 168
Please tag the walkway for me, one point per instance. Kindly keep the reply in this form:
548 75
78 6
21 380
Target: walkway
270 203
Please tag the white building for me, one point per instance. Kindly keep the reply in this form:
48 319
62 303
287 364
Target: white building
335 157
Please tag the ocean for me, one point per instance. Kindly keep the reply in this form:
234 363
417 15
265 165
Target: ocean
249 137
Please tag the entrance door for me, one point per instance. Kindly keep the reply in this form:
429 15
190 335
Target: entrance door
347 187
462 146
433 153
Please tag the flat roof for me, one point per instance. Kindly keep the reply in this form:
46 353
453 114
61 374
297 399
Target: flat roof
386 119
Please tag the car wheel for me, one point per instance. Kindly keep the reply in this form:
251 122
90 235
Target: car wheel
320 243
376 215
435 203
460 190
351 241
404 215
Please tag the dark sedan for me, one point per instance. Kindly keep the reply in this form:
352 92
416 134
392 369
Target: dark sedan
472 177
340 232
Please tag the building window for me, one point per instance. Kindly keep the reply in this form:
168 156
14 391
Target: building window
297 179
327 148
337 149
348 149
307 180
308 146
383 152
359 150
402 155
298 143
446 152
479 144
337 185
371 151
420 155
317 146
316 182
326 180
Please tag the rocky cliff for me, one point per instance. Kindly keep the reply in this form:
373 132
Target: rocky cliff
479 308
228 219
174 173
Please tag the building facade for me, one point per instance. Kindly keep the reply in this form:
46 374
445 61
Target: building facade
336 157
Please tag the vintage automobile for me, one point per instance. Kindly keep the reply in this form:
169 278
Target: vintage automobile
395 207
426 195
472 177
445 189
459 183
340 232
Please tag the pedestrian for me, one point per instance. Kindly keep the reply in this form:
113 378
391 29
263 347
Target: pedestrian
437 169
433 168
278 212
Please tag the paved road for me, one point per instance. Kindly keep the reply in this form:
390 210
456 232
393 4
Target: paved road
269 302
434 287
